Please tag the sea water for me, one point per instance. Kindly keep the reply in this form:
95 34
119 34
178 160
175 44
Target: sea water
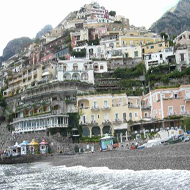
43 176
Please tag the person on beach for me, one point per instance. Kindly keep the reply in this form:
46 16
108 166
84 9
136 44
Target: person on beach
136 144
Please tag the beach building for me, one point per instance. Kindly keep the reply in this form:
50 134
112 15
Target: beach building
24 147
44 146
107 113
107 142
33 147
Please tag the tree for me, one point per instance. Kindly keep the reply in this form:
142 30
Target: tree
112 13
164 35
186 123
37 41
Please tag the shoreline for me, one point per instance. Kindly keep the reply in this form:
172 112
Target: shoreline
175 157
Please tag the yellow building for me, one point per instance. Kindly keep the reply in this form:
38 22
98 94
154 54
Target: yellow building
154 47
27 76
107 113
137 40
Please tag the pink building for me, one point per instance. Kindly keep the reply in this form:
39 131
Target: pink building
162 103
98 32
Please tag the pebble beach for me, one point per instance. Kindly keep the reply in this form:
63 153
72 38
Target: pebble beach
175 157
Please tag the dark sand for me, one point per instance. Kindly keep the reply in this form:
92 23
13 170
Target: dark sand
175 157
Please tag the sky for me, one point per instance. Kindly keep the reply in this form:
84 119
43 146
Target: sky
24 18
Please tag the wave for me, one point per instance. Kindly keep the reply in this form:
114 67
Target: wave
44 176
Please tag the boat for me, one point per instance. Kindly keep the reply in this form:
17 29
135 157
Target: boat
141 147
20 159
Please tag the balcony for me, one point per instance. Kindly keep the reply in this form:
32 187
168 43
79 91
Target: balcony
56 112
106 122
95 108
146 107
94 123
106 108
133 106
117 121
84 123
73 110
171 113
187 98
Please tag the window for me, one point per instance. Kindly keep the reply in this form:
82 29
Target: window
116 116
160 45
131 42
95 104
151 47
82 105
136 53
130 116
83 119
159 112
170 109
124 117
145 114
92 118
182 108
120 102
98 116
101 67
154 98
136 115
105 103
106 116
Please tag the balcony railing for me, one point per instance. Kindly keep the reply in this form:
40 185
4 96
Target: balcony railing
133 106
171 113
95 109
56 112
93 122
146 107
117 121
106 108
106 122
73 110
187 98
84 123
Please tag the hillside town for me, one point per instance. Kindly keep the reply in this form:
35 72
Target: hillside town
94 75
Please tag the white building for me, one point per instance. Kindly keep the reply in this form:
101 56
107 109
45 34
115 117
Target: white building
75 69
98 52
155 59
100 66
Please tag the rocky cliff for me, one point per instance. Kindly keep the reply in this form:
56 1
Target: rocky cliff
174 21
15 46
44 30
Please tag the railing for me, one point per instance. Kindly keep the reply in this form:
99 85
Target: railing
105 108
95 109
117 121
171 113
56 112
74 110
84 123
146 107
93 122
133 106
106 122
